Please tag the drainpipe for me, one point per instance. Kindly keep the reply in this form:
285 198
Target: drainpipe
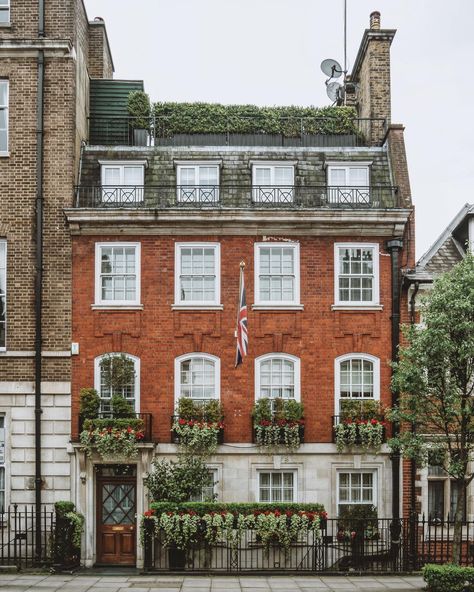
39 282
394 247
413 429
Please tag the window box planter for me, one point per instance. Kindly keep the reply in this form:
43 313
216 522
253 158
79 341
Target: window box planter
276 433
178 428
368 434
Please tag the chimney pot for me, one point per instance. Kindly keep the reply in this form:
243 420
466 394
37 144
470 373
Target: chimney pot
375 20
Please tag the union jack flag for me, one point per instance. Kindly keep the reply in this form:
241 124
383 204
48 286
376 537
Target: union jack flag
242 332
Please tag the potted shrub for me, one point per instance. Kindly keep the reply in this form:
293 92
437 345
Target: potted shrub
67 535
357 524
360 424
278 422
139 109
198 426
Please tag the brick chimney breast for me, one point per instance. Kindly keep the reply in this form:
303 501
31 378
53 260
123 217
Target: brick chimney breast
375 20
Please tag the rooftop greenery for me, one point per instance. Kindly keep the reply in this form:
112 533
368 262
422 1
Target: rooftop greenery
214 118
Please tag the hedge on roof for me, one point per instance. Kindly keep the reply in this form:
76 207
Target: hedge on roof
214 118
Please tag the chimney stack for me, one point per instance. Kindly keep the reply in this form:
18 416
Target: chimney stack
375 20
371 76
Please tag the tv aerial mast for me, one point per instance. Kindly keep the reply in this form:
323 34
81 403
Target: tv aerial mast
335 90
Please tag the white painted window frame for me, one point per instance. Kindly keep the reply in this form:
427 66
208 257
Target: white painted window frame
297 273
294 472
3 269
177 276
372 471
280 356
6 108
98 270
272 165
177 374
113 193
97 377
337 378
6 8
197 165
376 283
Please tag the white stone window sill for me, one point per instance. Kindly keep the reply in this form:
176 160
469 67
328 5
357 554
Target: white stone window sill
4 154
117 306
197 307
356 307
277 306
5 25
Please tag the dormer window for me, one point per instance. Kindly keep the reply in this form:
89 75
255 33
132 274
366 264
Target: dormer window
198 182
273 182
122 182
348 183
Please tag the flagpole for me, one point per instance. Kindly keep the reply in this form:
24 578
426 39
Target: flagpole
242 267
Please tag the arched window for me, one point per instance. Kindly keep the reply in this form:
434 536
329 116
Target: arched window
277 376
197 376
357 377
129 390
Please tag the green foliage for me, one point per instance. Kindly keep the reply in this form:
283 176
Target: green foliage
207 118
139 108
435 376
118 371
116 440
111 422
262 410
362 409
62 508
281 425
77 522
202 508
209 411
121 407
89 403
448 578
176 482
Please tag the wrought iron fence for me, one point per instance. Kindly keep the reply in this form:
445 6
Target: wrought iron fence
18 536
372 545
295 131
236 196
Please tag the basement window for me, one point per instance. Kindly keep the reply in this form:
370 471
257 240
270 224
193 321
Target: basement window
3 112
4 12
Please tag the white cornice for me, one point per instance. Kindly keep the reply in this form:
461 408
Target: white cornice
238 222
30 47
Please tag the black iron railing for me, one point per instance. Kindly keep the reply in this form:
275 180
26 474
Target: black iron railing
345 546
146 421
236 196
292 132
18 536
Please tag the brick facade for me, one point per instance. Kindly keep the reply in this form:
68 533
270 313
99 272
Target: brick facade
66 49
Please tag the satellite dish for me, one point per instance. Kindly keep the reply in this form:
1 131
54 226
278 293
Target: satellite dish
331 68
333 90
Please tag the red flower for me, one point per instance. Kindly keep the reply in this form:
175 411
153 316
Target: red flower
149 513
277 513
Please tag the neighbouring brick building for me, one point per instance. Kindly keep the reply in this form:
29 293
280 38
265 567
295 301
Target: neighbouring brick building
48 52
323 224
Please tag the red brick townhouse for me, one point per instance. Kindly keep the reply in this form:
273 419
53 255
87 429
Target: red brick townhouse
323 224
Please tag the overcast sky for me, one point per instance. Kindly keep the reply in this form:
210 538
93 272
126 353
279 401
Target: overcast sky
268 52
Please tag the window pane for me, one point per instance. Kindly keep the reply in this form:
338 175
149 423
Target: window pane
436 499
133 175
262 176
3 91
112 176
337 176
358 176
283 175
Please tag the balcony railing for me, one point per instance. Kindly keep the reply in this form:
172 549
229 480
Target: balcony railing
147 419
236 196
253 131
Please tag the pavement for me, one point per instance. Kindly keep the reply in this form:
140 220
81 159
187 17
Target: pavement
168 583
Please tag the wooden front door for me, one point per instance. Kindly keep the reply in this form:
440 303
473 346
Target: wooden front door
116 509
